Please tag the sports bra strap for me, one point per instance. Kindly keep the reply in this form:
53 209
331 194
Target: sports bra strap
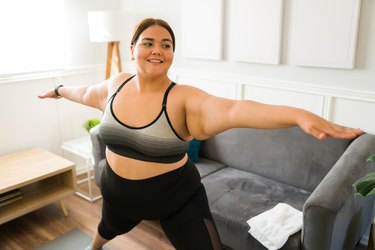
123 84
166 94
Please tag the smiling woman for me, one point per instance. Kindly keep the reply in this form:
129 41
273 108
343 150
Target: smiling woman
153 54
147 123
33 36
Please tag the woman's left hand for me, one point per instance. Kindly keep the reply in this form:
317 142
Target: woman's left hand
321 128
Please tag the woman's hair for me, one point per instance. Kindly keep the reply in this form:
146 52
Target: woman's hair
146 23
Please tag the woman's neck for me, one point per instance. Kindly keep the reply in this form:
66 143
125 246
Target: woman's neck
151 84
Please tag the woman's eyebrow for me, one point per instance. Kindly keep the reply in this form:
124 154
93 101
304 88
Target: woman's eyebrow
166 40
148 39
152 39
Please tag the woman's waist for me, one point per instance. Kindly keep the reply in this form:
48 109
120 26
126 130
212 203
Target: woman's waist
134 169
163 194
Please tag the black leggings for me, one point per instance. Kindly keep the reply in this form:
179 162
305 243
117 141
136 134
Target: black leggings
177 199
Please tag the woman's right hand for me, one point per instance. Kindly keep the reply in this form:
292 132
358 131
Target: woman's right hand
49 94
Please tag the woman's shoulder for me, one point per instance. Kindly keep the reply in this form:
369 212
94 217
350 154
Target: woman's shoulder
187 95
121 77
115 81
188 90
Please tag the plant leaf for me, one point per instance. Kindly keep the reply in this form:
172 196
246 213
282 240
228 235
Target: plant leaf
365 185
90 123
371 158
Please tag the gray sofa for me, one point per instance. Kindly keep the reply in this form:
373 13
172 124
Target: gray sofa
248 171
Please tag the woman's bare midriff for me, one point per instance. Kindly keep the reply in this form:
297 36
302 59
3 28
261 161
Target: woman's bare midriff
133 169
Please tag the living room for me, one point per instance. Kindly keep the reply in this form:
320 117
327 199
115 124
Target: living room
338 86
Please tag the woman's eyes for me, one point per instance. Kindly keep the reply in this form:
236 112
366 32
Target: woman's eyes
166 46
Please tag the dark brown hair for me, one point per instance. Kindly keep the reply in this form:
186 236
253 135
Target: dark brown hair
146 23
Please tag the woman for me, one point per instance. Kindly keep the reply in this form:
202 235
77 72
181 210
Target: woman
147 123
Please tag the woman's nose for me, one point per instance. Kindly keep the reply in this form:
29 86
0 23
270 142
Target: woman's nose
156 50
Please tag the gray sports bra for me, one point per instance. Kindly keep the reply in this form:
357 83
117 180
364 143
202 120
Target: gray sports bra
155 142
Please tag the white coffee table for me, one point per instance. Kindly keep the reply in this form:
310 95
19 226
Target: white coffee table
82 147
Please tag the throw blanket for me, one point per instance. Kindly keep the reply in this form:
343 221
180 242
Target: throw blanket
272 228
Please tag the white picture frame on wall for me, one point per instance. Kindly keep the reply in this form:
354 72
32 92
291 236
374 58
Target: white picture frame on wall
202 29
255 28
325 33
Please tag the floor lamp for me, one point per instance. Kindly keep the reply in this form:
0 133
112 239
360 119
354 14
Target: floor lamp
110 27
113 47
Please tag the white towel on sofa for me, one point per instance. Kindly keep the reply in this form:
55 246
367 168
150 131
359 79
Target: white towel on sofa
272 228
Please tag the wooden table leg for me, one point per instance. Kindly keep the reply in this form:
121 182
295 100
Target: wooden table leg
63 208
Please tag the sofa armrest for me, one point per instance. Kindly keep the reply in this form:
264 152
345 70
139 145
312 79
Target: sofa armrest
98 151
333 217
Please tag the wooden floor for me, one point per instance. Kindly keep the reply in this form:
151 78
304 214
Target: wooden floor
45 224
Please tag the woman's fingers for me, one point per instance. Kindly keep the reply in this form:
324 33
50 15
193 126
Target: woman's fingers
340 132
321 128
318 134
48 94
347 133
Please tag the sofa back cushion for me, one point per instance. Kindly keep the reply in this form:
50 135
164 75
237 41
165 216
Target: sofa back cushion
287 155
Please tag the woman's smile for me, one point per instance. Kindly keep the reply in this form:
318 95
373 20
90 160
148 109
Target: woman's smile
155 61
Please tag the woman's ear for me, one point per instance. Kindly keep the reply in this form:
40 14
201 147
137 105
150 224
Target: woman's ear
132 52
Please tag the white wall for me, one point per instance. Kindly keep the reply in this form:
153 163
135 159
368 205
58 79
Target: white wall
27 121
344 96
84 52
361 78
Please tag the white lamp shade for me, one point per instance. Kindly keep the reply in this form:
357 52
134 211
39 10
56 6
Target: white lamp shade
108 26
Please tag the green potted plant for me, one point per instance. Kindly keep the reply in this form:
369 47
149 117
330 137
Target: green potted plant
366 184
90 123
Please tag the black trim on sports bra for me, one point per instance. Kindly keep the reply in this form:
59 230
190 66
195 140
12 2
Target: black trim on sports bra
131 127
123 84
166 94
120 87
163 109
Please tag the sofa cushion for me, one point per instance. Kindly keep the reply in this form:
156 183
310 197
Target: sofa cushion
206 166
193 150
286 155
236 196
98 171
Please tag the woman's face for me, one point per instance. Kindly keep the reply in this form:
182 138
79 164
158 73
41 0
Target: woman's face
153 52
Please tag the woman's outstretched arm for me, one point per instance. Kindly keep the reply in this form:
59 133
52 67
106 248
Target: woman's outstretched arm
208 115
94 95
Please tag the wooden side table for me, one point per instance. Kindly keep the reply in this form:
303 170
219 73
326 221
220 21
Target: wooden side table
41 176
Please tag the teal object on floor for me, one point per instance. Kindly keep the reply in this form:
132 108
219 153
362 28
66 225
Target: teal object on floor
74 239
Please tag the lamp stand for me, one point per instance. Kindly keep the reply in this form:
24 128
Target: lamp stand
113 46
